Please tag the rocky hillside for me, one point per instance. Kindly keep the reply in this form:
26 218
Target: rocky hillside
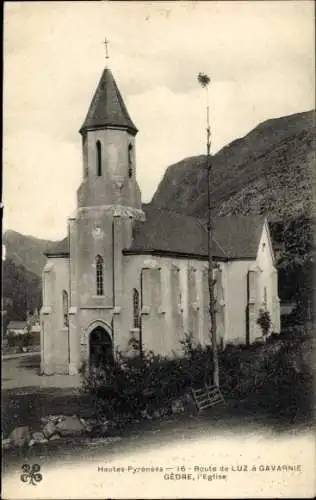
271 170
267 171
26 250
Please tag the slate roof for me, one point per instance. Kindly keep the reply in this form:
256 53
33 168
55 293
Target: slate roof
167 232
234 237
16 325
107 108
239 235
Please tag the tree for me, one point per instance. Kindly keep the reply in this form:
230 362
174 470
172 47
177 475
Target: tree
204 81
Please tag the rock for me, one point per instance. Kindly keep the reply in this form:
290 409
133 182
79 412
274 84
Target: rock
177 406
145 414
92 421
69 426
6 443
38 437
90 424
54 437
49 429
20 436
52 418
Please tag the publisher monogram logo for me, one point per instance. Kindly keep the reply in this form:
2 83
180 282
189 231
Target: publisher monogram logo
30 474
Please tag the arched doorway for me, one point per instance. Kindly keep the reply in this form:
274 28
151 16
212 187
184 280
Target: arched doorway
101 349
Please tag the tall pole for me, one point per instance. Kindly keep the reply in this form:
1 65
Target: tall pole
204 80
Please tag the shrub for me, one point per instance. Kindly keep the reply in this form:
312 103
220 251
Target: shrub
134 383
264 321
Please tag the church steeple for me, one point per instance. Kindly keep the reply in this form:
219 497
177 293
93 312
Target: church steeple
107 109
108 147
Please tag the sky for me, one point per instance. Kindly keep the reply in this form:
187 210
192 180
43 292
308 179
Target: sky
259 56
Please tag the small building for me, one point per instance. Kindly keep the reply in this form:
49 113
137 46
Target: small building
124 272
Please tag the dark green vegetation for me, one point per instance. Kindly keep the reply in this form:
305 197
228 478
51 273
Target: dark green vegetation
22 270
275 378
21 291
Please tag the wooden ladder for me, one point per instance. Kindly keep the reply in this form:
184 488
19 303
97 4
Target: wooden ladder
207 396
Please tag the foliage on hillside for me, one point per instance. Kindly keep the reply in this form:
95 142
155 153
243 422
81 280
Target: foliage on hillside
267 171
26 250
293 240
21 292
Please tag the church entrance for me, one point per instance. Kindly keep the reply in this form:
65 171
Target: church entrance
101 349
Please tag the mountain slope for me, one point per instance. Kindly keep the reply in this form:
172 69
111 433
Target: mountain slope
26 250
21 291
272 171
267 171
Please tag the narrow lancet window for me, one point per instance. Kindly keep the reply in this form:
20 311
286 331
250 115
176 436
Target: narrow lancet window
65 309
136 315
130 161
99 275
99 159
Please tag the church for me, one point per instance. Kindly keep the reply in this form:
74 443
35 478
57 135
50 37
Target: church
124 272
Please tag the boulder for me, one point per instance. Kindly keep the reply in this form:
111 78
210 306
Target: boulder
52 418
20 436
177 406
70 426
90 424
145 414
54 437
49 429
39 437
83 421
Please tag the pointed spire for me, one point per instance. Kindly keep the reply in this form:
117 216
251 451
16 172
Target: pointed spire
107 109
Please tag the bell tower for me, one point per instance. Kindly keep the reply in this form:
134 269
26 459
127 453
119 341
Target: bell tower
108 145
108 202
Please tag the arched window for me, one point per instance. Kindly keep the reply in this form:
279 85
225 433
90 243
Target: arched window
99 159
136 316
99 275
65 308
130 161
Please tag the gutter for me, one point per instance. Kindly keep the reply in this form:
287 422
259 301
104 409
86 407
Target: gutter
168 253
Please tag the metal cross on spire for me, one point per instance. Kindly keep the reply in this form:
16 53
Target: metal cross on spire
106 43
